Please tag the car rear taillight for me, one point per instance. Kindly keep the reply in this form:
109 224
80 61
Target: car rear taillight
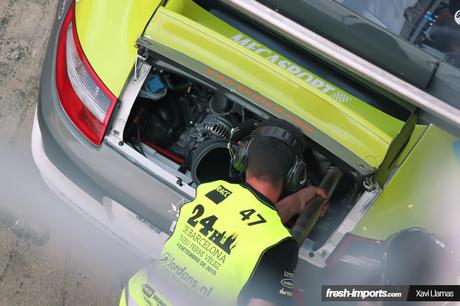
85 99
356 260
358 251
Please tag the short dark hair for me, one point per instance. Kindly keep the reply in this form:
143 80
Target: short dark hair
271 158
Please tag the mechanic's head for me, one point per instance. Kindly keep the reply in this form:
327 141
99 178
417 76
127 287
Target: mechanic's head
269 158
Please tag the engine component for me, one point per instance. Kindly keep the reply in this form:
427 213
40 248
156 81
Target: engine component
220 105
204 127
175 82
154 88
212 126
163 125
187 120
211 161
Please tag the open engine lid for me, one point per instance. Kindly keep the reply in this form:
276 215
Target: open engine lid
351 129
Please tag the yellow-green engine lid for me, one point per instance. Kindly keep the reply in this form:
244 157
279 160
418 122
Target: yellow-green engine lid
344 128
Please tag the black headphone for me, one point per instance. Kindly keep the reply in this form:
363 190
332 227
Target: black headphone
297 174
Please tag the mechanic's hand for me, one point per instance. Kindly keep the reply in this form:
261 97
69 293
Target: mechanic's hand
307 194
295 203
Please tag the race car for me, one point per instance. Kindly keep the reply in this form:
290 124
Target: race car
139 99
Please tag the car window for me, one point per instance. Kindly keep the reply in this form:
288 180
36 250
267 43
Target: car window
431 25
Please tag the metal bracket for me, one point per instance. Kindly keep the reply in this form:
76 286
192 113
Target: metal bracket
138 65
369 183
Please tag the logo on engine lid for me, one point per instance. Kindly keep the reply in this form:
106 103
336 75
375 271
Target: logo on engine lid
299 72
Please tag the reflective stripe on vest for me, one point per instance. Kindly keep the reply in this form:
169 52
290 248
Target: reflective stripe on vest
219 239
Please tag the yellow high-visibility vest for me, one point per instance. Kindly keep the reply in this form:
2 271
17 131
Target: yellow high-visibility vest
219 239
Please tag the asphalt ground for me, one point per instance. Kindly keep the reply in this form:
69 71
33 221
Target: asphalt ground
49 255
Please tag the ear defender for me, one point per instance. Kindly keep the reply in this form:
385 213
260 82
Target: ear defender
239 157
238 146
297 174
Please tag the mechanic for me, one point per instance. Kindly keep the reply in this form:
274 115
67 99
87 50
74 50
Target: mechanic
230 246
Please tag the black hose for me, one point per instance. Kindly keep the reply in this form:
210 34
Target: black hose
170 84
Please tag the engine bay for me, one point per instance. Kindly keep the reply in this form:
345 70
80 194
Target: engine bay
190 125
185 127
187 123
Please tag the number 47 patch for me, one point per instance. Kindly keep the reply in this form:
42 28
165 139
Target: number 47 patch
247 214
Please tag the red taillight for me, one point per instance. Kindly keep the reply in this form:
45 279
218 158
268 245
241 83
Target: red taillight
85 99
356 260
358 251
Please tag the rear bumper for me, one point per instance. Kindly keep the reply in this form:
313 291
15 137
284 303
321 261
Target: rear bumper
113 218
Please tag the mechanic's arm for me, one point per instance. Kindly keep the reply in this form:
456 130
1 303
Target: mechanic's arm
295 203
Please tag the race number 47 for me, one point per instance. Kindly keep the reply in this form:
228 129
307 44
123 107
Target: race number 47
248 214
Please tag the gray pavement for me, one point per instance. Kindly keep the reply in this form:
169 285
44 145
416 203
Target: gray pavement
49 255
